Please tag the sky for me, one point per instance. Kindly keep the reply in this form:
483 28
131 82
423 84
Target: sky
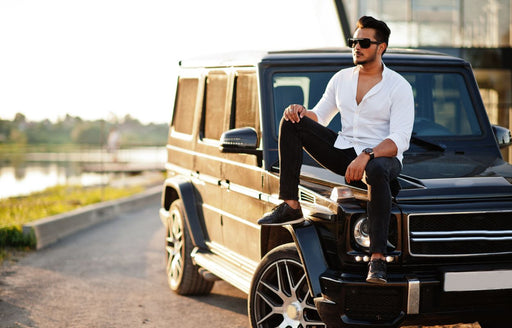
104 59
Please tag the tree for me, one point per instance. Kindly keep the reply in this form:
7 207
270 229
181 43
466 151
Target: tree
90 133
5 130
18 137
20 118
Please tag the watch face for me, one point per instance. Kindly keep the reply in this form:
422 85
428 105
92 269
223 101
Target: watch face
368 151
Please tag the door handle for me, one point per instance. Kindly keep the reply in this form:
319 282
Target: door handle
224 184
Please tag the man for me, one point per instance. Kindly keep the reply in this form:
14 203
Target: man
377 115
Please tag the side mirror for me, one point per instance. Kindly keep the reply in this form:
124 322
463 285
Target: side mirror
242 140
502 135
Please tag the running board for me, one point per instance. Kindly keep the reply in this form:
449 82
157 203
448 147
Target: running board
224 269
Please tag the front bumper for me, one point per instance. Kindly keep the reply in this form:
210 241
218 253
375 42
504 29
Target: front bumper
348 301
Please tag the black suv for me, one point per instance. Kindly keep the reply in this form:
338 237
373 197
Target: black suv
450 240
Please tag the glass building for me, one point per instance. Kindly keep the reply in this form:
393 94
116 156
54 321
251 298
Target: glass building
476 30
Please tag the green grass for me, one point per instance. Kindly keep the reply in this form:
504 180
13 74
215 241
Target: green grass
9 149
16 211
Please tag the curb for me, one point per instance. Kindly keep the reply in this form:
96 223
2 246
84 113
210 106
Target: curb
53 228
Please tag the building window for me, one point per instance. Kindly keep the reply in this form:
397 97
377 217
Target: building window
439 23
486 23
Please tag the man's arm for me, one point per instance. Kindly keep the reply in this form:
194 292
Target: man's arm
387 148
402 117
355 170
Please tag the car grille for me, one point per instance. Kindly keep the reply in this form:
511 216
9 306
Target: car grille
461 234
306 197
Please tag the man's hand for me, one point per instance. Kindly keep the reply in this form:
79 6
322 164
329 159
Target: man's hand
294 113
355 169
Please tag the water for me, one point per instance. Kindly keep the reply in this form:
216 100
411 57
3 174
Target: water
31 172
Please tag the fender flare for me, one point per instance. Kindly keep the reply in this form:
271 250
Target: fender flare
311 254
182 188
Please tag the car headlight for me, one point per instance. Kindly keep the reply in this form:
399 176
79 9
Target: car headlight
361 232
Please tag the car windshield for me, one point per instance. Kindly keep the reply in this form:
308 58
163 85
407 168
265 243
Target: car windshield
305 88
443 107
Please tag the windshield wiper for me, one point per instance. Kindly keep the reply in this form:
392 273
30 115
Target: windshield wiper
427 144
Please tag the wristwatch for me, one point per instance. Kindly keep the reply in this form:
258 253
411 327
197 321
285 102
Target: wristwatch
369 151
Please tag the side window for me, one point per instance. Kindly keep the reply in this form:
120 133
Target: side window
246 109
215 104
184 108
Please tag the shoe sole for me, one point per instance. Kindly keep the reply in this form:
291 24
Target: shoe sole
284 223
378 281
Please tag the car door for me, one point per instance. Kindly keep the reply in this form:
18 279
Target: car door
208 159
242 174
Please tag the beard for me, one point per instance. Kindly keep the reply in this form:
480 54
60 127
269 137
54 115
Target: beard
369 58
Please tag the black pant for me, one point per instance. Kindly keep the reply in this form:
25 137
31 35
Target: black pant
318 141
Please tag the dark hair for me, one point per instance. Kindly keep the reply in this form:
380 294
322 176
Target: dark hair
382 31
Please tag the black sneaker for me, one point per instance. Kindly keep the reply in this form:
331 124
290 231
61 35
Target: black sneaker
377 272
282 214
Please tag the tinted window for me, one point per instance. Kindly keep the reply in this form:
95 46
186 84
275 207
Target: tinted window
186 97
299 88
215 105
442 105
246 112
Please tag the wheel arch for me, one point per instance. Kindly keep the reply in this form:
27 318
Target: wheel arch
181 188
307 241
272 237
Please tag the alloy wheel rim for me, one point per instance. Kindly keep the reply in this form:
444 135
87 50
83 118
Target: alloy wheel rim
282 298
174 245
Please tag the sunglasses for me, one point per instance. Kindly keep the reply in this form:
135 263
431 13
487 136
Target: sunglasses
364 43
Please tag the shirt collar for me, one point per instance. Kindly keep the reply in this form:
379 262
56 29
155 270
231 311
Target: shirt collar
385 70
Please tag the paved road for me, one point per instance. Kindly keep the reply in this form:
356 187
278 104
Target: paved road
112 275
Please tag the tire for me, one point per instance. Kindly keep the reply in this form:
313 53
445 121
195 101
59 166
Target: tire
279 294
182 275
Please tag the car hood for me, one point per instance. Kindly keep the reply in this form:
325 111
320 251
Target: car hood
439 176
449 176
453 165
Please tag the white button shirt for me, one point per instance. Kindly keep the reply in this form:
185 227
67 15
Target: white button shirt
385 112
